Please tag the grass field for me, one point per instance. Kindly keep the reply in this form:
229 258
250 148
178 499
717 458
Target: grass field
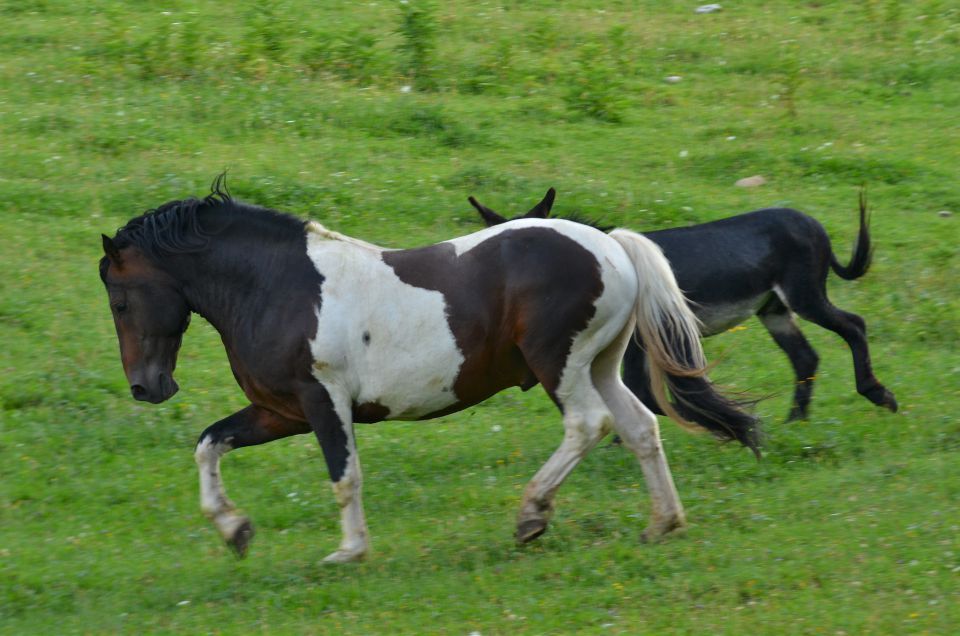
379 119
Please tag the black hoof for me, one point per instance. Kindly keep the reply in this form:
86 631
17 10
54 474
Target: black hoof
530 530
879 395
796 414
890 402
241 539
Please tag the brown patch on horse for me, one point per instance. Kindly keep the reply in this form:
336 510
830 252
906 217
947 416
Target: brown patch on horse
513 325
370 412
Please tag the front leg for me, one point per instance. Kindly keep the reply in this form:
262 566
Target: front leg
247 427
329 413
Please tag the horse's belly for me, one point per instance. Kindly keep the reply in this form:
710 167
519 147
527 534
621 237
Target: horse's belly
718 317
412 384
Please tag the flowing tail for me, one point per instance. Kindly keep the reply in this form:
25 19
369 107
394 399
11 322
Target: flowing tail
668 331
862 250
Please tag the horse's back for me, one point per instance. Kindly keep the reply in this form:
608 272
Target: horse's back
445 326
739 257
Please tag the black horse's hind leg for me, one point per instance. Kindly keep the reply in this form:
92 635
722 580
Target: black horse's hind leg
637 378
812 304
247 427
778 320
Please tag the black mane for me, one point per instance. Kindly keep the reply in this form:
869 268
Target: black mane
188 225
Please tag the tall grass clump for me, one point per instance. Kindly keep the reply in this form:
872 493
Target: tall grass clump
595 88
265 42
418 48
352 56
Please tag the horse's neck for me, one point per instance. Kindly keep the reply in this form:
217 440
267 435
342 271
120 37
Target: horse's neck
228 292
229 298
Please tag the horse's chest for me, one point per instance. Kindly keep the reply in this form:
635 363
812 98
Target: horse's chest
383 341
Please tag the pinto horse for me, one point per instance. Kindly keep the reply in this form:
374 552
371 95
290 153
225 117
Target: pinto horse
771 263
323 330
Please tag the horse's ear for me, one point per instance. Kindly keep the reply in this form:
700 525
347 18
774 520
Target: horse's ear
490 217
111 250
542 209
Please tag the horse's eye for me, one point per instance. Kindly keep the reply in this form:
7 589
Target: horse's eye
120 307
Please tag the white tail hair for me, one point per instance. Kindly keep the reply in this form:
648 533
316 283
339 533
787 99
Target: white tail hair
667 328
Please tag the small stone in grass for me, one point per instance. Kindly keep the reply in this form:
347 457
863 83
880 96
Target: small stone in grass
750 182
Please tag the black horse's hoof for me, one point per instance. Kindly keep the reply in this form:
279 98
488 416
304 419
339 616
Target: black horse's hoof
241 538
530 530
796 414
890 402
881 396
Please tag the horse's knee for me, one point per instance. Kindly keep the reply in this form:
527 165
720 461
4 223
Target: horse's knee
640 435
208 449
346 489
857 321
648 445
585 428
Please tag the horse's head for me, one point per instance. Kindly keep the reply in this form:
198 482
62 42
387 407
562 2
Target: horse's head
539 211
150 314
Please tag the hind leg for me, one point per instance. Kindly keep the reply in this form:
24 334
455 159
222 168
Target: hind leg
586 420
637 377
639 430
778 320
813 305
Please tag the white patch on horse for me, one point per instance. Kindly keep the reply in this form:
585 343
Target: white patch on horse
379 339
584 235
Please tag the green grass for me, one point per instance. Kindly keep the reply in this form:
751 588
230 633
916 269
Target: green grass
848 525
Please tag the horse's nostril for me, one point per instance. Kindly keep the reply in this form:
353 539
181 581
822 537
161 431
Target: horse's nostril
138 392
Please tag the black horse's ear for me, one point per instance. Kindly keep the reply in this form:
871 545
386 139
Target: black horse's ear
542 209
490 217
111 250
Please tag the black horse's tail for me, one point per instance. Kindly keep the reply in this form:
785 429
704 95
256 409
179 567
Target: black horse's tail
668 330
697 400
862 250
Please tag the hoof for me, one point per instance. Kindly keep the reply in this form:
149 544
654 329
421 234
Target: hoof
890 402
529 530
656 531
796 414
240 540
345 556
880 396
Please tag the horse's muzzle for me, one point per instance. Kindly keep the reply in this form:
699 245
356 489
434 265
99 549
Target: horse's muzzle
162 390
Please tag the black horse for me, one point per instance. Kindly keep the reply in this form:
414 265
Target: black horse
771 263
